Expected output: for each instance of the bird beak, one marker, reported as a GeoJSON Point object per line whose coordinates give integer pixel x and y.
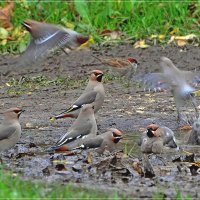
{"type": "Point", "coordinates": [20, 112]}
{"type": "Point", "coordinates": [27, 26]}
{"type": "Point", "coordinates": [119, 137]}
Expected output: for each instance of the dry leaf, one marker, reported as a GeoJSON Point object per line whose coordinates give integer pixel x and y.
{"type": "Point", "coordinates": [3, 33]}
{"type": "Point", "coordinates": [137, 167]}
{"type": "Point", "coordinates": [141, 44]}
{"type": "Point", "coordinates": [89, 159]}
{"type": "Point", "coordinates": [8, 84]}
{"type": "Point", "coordinates": [196, 163]}
{"type": "Point", "coordinates": [5, 15]}
{"type": "Point", "coordinates": [174, 31]}
{"type": "Point", "coordinates": [182, 40]}
{"type": "Point", "coordinates": [160, 37]}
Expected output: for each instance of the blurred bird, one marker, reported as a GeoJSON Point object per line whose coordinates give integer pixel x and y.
{"type": "Point", "coordinates": [48, 37]}
{"type": "Point", "coordinates": [180, 83]}
{"type": "Point", "coordinates": [120, 66]}
{"type": "Point", "coordinates": [156, 138]}
{"type": "Point", "coordinates": [10, 129]}
{"type": "Point", "coordinates": [93, 94]}
{"type": "Point", "coordinates": [152, 145]}
{"type": "Point", "coordinates": [165, 133]}
{"type": "Point", "coordinates": [84, 126]}
{"type": "Point", "coordinates": [194, 137]}
{"type": "Point", "coordinates": [106, 141]}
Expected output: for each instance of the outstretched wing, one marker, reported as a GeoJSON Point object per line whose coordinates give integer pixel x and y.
{"type": "Point", "coordinates": [40, 47]}
{"type": "Point", "coordinates": [153, 81]}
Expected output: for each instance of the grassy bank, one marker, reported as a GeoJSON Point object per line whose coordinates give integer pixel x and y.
{"type": "Point", "coordinates": [133, 18]}
{"type": "Point", "coordinates": [12, 187]}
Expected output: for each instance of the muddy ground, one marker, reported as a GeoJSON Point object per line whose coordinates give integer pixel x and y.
{"type": "Point", "coordinates": [128, 109]}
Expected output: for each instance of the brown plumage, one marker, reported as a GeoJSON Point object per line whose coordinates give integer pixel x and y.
{"type": "Point", "coordinates": [10, 129]}
{"type": "Point", "coordinates": [106, 141]}
{"type": "Point", "coordinates": [93, 94]}
{"type": "Point", "coordinates": [48, 37]}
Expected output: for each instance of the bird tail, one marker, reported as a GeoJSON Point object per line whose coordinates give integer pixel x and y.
{"type": "Point", "coordinates": [196, 92]}
{"type": "Point", "coordinates": [57, 149]}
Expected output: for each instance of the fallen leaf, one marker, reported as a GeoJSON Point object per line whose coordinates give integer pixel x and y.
{"type": "Point", "coordinates": [182, 40]}
{"type": "Point", "coordinates": [137, 167]}
{"type": "Point", "coordinates": [3, 33]}
{"type": "Point", "coordinates": [174, 31]}
{"type": "Point", "coordinates": [89, 159]}
{"type": "Point", "coordinates": [8, 84]}
{"type": "Point", "coordinates": [141, 44]}
{"type": "Point", "coordinates": [5, 15]}
{"type": "Point", "coordinates": [161, 37]}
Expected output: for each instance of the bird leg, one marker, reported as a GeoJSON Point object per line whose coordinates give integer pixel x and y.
{"type": "Point", "coordinates": [195, 105]}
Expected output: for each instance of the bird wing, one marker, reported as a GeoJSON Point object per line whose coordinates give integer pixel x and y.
{"type": "Point", "coordinates": [74, 134]}
{"type": "Point", "coordinates": [153, 81]}
{"type": "Point", "coordinates": [91, 143]}
{"type": "Point", "coordinates": [6, 131]}
{"type": "Point", "coordinates": [40, 47]}
{"type": "Point", "coordinates": [192, 77]}
{"type": "Point", "coordinates": [85, 98]}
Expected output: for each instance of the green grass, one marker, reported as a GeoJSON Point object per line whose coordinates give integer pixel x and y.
{"type": "Point", "coordinates": [28, 84]}
{"type": "Point", "coordinates": [133, 18]}
{"type": "Point", "coordinates": [14, 187]}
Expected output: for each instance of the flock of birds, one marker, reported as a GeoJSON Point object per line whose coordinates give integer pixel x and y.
{"type": "Point", "coordinates": [83, 132]}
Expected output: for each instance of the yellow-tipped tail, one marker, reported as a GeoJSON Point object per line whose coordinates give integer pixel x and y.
{"type": "Point", "coordinates": [196, 92]}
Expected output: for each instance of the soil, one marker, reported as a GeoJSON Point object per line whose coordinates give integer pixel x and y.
{"type": "Point", "coordinates": [129, 109]}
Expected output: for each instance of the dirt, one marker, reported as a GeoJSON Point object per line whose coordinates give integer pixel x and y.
{"type": "Point", "coordinates": [129, 109]}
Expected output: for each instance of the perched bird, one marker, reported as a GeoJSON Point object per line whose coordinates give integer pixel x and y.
{"type": "Point", "coordinates": [180, 83]}
{"type": "Point", "coordinates": [152, 145]}
{"type": "Point", "coordinates": [120, 66]}
{"type": "Point", "coordinates": [157, 139]}
{"type": "Point", "coordinates": [84, 126]}
{"type": "Point", "coordinates": [10, 129]}
{"type": "Point", "coordinates": [106, 141]}
{"type": "Point", "coordinates": [93, 94]}
{"type": "Point", "coordinates": [48, 37]}
{"type": "Point", "coordinates": [194, 137]}
{"type": "Point", "coordinates": [165, 133]}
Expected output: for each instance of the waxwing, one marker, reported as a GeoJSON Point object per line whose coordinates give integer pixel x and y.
{"type": "Point", "coordinates": [84, 126]}
{"type": "Point", "coordinates": [152, 143]}
{"type": "Point", "coordinates": [165, 133]}
{"type": "Point", "coordinates": [106, 141]}
{"type": "Point", "coordinates": [180, 83]}
{"type": "Point", "coordinates": [10, 129]}
{"type": "Point", "coordinates": [48, 37]}
{"type": "Point", "coordinates": [194, 136]}
{"type": "Point", "coordinates": [93, 94]}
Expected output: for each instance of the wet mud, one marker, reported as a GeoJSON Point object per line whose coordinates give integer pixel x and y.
{"type": "Point", "coordinates": [129, 109]}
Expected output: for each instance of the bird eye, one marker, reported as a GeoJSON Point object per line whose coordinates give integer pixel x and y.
{"type": "Point", "coordinates": [17, 111]}
{"type": "Point", "coordinates": [114, 134]}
